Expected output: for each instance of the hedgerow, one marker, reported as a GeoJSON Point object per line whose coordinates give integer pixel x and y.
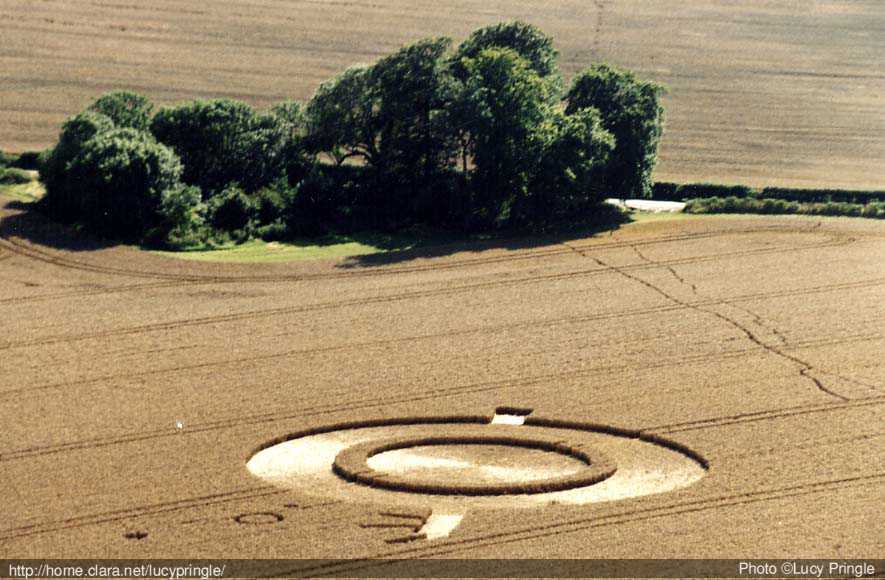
{"type": "Point", "coordinates": [665, 191]}
{"type": "Point", "coordinates": [732, 204]}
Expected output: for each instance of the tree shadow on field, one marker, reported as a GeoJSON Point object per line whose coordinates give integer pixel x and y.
{"type": "Point", "coordinates": [20, 219]}
{"type": "Point", "coordinates": [446, 244]}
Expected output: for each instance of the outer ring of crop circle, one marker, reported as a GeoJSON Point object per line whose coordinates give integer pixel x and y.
{"type": "Point", "coordinates": [484, 420]}
{"type": "Point", "coordinates": [351, 464]}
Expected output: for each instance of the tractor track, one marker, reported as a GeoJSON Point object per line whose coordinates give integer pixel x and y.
{"type": "Point", "coordinates": [243, 362]}
{"type": "Point", "coordinates": [739, 418]}
{"type": "Point", "coordinates": [170, 280]}
{"type": "Point", "coordinates": [415, 294]}
{"type": "Point", "coordinates": [805, 369]}
{"type": "Point", "coordinates": [301, 412]}
{"type": "Point", "coordinates": [572, 525]}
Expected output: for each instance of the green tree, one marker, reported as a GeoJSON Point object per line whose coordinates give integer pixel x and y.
{"type": "Point", "coordinates": [342, 118]}
{"type": "Point", "coordinates": [296, 158]}
{"type": "Point", "coordinates": [630, 109]}
{"type": "Point", "coordinates": [120, 177]}
{"type": "Point", "coordinates": [182, 216]}
{"type": "Point", "coordinates": [221, 142]}
{"type": "Point", "coordinates": [529, 42]}
{"type": "Point", "coordinates": [389, 115]}
{"type": "Point", "coordinates": [290, 113]}
{"type": "Point", "coordinates": [60, 200]}
{"type": "Point", "coordinates": [234, 212]}
{"type": "Point", "coordinates": [411, 87]}
{"type": "Point", "coordinates": [526, 40]}
{"type": "Point", "coordinates": [125, 109]}
{"type": "Point", "coordinates": [568, 182]}
{"type": "Point", "coordinates": [503, 104]}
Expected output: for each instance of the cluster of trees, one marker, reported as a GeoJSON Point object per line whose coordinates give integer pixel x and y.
{"type": "Point", "coordinates": [477, 137]}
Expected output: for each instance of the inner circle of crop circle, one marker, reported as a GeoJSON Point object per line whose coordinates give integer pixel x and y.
{"type": "Point", "coordinates": [470, 461]}
{"type": "Point", "coordinates": [352, 464]}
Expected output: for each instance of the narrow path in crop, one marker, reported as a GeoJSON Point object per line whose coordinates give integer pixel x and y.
{"type": "Point", "coordinates": [805, 368]}
{"type": "Point", "coordinates": [766, 325]}
{"type": "Point", "coordinates": [601, 5]}
{"type": "Point", "coordinates": [759, 321]}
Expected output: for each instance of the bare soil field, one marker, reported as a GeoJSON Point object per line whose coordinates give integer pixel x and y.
{"type": "Point", "coordinates": [784, 93]}
{"type": "Point", "coordinates": [724, 376]}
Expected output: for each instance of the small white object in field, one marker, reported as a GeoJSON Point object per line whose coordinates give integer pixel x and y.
{"type": "Point", "coordinates": [500, 419]}
{"type": "Point", "coordinates": [648, 205]}
{"type": "Point", "coordinates": [440, 525]}
{"type": "Point", "coordinates": [179, 425]}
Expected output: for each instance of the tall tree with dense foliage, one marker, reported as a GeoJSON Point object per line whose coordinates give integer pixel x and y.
{"type": "Point", "coordinates": [389, 117]}
{"type": "Point", "coordinates": [292, 122]}
{"type": "Point", "coordinates": [503, 104]}
{"type": "Point", "coordinates": [121, 176]}
{"type": "Point", "coordinates": [529, 42]}
{"type": "Point", "coordinates": [411, 87]}
{"type": "Point", "coordinates": [631, 110]}
{"type": "Point", "coordinates": [222, 142]}
{"type": "Point", "coordinates": [342, 119]}
{"type": "Point", "coordinates": [568, 181]}
{"type": "Point", "coordinates": [526, 40]}
{"type": "Point", "coordinates": [61, 194]}
{"type": "Point", "coordinates": [125, 109]}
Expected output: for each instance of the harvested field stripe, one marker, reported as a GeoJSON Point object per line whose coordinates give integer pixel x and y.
{"type": "Point", "coordinates": [825, 341]}
{"type": "Point", "coordinates": [202, 281]}
{"type": "Point", "coordinates": [31, 251]}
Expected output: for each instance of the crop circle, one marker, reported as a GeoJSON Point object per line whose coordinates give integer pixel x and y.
{"type": "Point", "coordinates": [471, 461]}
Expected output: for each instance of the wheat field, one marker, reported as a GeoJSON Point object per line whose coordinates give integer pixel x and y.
{"type": "Point", "coordinates": [785, 93]}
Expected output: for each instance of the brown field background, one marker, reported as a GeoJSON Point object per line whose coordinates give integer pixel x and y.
{"type": "Point", "coordinates": [755, 341]}
{"type": "Point", "coordinates": [786, 93]}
